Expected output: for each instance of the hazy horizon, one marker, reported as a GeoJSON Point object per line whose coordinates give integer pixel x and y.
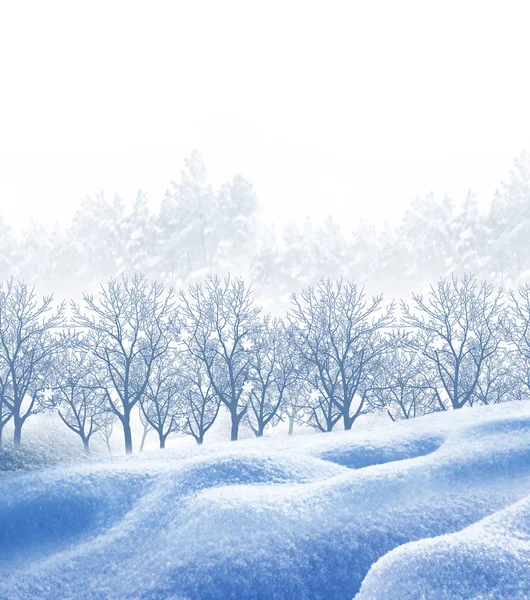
{"type": "Point", "coordinates": [352, 110]}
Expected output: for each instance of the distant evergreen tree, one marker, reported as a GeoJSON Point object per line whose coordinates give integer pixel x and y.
{"type": "Point", "coordinates": [365, 253]}
{"type": "Point", "coordinates": [469, 234]}
{"type": "Point", "coordinates": [509, 226]}
{"type": "Point", "coordinates": [61, 264]}
{"type": "Point", "coordinates": [8, 251]}
{"type": "Point", "coordinates": [34, 253]}
{"type": "Point", "coordinates": [305, 254]}
{"type": "Point", "coordinates": [332, 251]}
{"type": "Point", "coordinates": [264, 267]}
{"type": "Point", "coordinates": [235, 222]}
{"type": "Point", "coordinates": [427, 239]}
{"type": "Point", "coordinates": [299, 263]}
{"type": "Point", "coordinates": [187, 219]}
{"type": "Point", "coordinates": [168, 226]}
{"type": "Point", "coordinates": [97, 237]}
{"type": "Point", "coordinates": [139, 239]}
{"type": "Point", "coordinates": [393, 254]}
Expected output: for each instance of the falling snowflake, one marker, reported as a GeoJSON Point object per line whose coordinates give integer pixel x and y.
{"type": "Point", "coordinates": [247, 344]}
{"type": "Point", "coordinates": [247, 387]}
{"type": "Point", "coordinates": [314, 395]}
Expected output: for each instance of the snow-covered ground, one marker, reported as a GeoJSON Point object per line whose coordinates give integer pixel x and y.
{"type": "Point", "coordinates": [45, 441]}
{"type": "Point", "coordinates": [438, 507]}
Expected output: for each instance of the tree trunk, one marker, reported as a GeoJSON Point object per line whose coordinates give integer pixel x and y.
{"type": "Point", "coordinates": [144, 435]}
{"type": "Point", "coordinates": [162, 441]}
{"type": "Point", "coordinates": [85, 446]}
{"type": "Point", "coordinates": [291, 424]}
{"type": "Point", "coordinates": [235, 427]}
{"type": "Point", "coordinates": [18, 431]}
{"type": "Point", "coordinates": [456, 404]}
{"type": "Point", "coordinates": [126, 422]}
{"type": "Point", "coordinates": [200, 439]}
{"type": "Point", "coordinates": [1, 423]}
{"type": "Point", "coordinates": [348, 421]}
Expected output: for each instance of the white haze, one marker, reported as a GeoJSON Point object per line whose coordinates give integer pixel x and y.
{"type": "Point", "coordinates": [350, 108]}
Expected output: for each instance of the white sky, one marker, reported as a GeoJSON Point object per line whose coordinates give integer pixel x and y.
{"type": "Point", "coordinates": [343, 107]}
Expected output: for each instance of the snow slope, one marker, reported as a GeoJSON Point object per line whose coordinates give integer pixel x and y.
{"type": "Point", "coordinates": [488, 560]}
{"type": "Point", "coordinates": [437, 507]}
{"type": "Point", "coordinates": [45, 441]}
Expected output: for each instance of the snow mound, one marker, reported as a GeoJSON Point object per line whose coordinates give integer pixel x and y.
{"type": "Point", "coordinates": [273, 518]}
{"type": "Point", "coordinates": [489, 560]}
{"type": "Point", "coordinates": [47, 509]}
{"type": "Point", "coordinates": [45, 441]}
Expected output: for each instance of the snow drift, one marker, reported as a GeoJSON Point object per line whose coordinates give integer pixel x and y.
{"type": "Point", "coordinates": [413, 509]}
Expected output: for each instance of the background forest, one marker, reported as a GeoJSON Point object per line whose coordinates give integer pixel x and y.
{"type": "Point", "coordinates": [197, 230]}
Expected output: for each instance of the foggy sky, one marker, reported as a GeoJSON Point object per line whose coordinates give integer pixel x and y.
{"type": "Point", "coordinates": [350, 108]}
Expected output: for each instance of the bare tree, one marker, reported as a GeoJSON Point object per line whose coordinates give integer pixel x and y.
{"type": "Point", "coordinates": [271, 375]}
{"type": "Point", "coordinates": [294, 406]}
{"type": "Point", "coordinates": [107, 427]}
{"type": "Point", "coordinates": [80, 400]}
{"type": "Point", "coordinates": [320, 412]}
{"type": "Point", "coordinates": [336, 332]}
{"type": "Point", "coordinates": [406, 388]}
{"type": "Point", "coordinates": [126, 332]}
{"type": "Point", "coordinates": [218, 318]}
{"type": "Point", "coordinates": [517, 322]}
{"type": "Point", "coordinates": [160, 405]}
{"type": "Point", "coordinates": [503, 378]}
{"type": "Point", "coordinates": [27, 343]}
{"type": "Point", "coordinates": [292, 409]}
{"type": "Point", "coordinates": [516, 328]}
{"type": "Point", "coordinates": [5, 412]}
{"type": "Point", "coordinates": [519, 376]}
{"type": "Point", "coordinates": [201, 404]}
{"type": "Point", "coordinates": [146, 428]}
{"type": "Point", "coordinates": [457, 330]}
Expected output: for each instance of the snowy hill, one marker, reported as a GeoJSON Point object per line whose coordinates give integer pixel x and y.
{"type": "Point", "coordinates": [437, 507]}
{"type": "Point", "coordinates": [46, 441]}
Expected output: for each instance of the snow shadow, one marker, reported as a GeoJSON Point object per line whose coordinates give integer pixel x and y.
{"type": "Point", "coordinates": [518, 426]}
{"type": "Point", "coordinates": [359, 456]}
{"type": "Point", "coordinates": [38, 517]}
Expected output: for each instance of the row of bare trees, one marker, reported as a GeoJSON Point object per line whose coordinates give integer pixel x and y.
{"type": "Point", "coordinates": [178, 358]}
